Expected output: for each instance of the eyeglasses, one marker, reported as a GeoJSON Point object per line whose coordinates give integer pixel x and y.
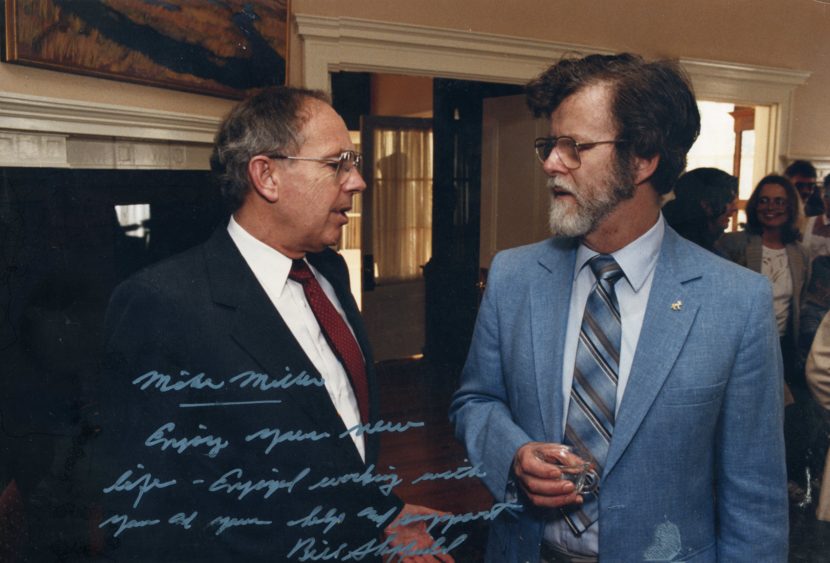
{"type": "Point", "coordinates": [772, 202]}
{"type": "Point", "coordinates": [342, 164]}
{"type": "Point", "coordinates": [567, 149]}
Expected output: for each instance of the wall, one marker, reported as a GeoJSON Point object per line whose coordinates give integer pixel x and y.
{"type": "Point", "coordinates": [779, 33]}
{"type": "Point", "coordinates": [19, 79]}
{"type": "Point", "coordinates": [409, 96]}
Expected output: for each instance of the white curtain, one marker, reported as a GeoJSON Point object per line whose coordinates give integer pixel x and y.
{"type": "Point", "coordinates": [402, 203]}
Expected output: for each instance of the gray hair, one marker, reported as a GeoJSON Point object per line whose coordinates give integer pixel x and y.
{"type": "Point", "coordinates": [269, 121]}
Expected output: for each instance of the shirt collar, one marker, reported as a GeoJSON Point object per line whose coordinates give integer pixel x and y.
{"type": "Point", "coordinates": [636, 259]}
{"type": "Point", "coordinates": [267, 263]}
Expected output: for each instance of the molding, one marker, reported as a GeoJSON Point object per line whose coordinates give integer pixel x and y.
{"type": "Point", "coordinates": [56, 115]}
{"type": "Point", "coordinates": [332, 44]}
{"type": "Point", "coordinates": [36, 149]}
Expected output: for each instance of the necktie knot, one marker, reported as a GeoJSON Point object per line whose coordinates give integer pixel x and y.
{"type": "Point", "coordinates": [605, 268]}
{"type": "Point", "coordinates": [300, 272]}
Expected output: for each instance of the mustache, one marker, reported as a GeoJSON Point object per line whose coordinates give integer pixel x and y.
{"type": "Point", "coordinates": [558, 183]}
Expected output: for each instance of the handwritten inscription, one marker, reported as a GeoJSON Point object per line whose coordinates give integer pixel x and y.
{"type": "Point", "coordinates": [225, 522]}
{"type": "Point", "coordinates": [165, 383]}
{"type": "Point", "coordinates": [450, 520]}
{"type": "Point", "coordinates": [180, 445]}
{"type": "Point", "coordinates": [314, 518]}
{"type": "Point", "coordinates": [310, 549]}
{"type": "Point", "coordinates": [380, 426]}
{"type": "Point", "coordinates": [231, 483]}
{"type": "Point", "coordinates": [183, 520]}
{"type": "Point", "coordinates": [278, 436]}
{"type": "Point", "coordinates": [124, 523]}
{"type": "Point", "coordinates": [367, 477]}
{"type": "Point", "coordinates": [464, 472]}
{"type": "Point", "coordinates": [264, 382]}
{"type": "Point", "coordinates": [171, 439]}
{"type": "Point", "coordinates": [144, 484]}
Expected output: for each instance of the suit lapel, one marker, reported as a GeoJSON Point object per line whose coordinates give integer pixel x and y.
{"type": "Point", "coordinates": [754, 252]}
{"type": "Point", "coordinates": [669, 316]}
{"type": "Point", "coordinates": [262, 333]}
{"type": "Point", "coordinates": [550, 297]}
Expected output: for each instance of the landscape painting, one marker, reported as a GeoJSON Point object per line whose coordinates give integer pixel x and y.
{"type": "Point", "coordinates": [219, 47]}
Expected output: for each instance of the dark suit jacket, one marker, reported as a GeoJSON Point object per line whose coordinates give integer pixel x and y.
{"type": "Point", "coordinates": [202, 318]}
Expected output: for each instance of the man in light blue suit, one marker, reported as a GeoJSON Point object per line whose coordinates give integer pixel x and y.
{"type": "Point", "coordinates": [655, 361]}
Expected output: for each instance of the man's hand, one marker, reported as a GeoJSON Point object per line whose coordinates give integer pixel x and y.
{"type": "Point", "coordinates": [540, 480]}
{"type": "Point", "coordinates": [414, 535]}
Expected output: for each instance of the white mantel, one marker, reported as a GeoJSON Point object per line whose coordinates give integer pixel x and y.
{"type": "Point", "coordinates": [52, 132]}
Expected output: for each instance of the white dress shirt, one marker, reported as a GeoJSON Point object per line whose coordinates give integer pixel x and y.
{"type": "Point", "coordinates": [271, 269]}
{"type": "Point", "coordinates": [637, 260]}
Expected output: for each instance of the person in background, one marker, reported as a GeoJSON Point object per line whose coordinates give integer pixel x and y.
{"type": "Point", "coordinates": [816, 237]}
{"type": "Point", "coordinates": [619, 343]}
{"type": "Point", "coordinates": [803, 176]}
{"type": "Point", "coordinates": [704, 201]}
{"type": "Point", "coordinates": [770, 245]}
{"type": "Point", "coordinates": [818, 381]}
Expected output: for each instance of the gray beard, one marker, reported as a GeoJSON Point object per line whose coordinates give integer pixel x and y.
{"type": "Point", "coordinates": [582, 215]}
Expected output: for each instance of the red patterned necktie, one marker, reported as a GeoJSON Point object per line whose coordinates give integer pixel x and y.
{"type": "Point", "coordinates": [337, 333]}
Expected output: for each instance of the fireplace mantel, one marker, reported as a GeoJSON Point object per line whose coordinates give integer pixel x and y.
{"type": "Point", "coordinates": [51, 132]}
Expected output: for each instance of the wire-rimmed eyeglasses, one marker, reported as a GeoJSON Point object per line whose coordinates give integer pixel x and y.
{"type": "Point", "coordinates": [567, 149]}
{"type": "Point", "coordinates": [342, 164]}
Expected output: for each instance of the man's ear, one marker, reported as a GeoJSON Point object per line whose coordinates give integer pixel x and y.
{"type": "Point", "coordinates": [264, 178]}
{"type": "Point", "coordinates": [643, 168]}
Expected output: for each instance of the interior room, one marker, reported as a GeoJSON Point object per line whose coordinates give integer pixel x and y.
{"type": "Point", "coordinates": [101, 177]}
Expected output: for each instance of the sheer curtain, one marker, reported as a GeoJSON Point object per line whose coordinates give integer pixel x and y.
{"type": "Point", "coordinates": [401, 202]}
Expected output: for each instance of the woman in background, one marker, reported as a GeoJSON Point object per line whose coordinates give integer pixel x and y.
{"type": "Point", "coordinates": [770, 245]}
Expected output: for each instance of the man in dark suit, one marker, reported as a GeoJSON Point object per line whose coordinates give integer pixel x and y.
{"type": "Point", "coordinates": [239, 412]}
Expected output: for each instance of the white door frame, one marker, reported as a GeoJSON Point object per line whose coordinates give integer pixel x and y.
{"type": "Point", "coordinates": [331, 44]}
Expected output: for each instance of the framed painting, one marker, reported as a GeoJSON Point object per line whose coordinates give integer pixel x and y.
{"type": "Point", "coordinates": [217, 47]}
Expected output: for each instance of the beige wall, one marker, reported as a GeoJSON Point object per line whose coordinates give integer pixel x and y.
{"type": "Point", "coordinates": [394, 94]}
{"type": "Point", "coordinates": [19, 79]}
{"type": "Point", "coordinates": [781, 33]}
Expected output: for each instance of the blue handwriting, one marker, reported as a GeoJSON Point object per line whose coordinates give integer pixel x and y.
{"type": "Point", "coordinates": [124, 523]}
{"type": "Point", "coordinates": [157, 438]}
{"type": "Point", "coordinates": [364, 479]}
{"type": "Point", "coordinates": [182, 519]}
{"type": "Point", "coordinates": [450, 520]}
{"type": "Point", "coordinates": [372, 514]}
{"type": "Point", "coordinates": [263, 382]}
{"type": "Point", "coordinates": [307, 549]}
{"type": "Point", "coordinates": [227, 484]}
{"type": "Point", "coordinates": [463, 472]}
{"type": "Point", "coordinates": [162, 382]}
{"type": "Point", "coordinates": [144, 484]}
{"type": "Point", "coordinates": [380, 426]}
{"type": "Point", "coordinates": [225, 522]}
{"type": "Point", "coordinates": [278, 436]}
{"type": "Point", "coordinates": [330, 519]}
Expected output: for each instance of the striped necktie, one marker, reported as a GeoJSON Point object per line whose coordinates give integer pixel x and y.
{"type": "Point", "coordinates": [592, 404]}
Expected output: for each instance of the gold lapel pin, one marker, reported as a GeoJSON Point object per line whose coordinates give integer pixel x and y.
{"type": "Point", "coordinates": [677, 305]}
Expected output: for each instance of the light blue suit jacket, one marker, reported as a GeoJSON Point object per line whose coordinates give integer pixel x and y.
{"type": "Point", "coordinates": [695, 469]}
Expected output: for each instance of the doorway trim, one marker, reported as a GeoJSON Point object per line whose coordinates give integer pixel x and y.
{"type": "Point", "coordinates": [331, 44]}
